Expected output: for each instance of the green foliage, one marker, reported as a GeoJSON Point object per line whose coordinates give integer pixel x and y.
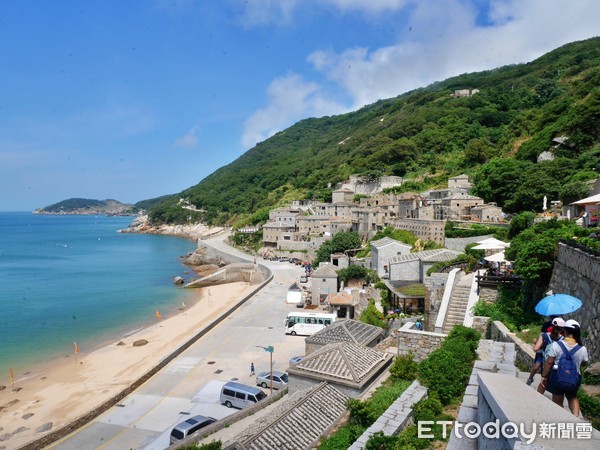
{"type": "Point", "coordinates": [590, 407]}
{"type": "Point", "coordinates": [354, 272]}
{"type": "Point", "coordinates": [360, 413]}
{"type": "Point", "coordinates": [404, 367]}
{"type": "Point", "coordinates": [343, 438]}
{"type": "Point", "coordinates": [379, 441]}
{"type": "Point", "coordinates": [214, 445]}
{"type": "Point", "coordinates": [520, 223]}
{"type": "Point", "coordinates": [436, 267]}
{"type": "Point", "coordinates": [447, 369]}
{"type": "Point", "coordinates": [518, 111]}
{"type": "Point", "coordinates": [453, 231]}
{"type": "Point", "coordinates": [399, 235]}
{"type": "Point", "coordinates": [372, 316]}
{"type": "Point", "coordinates": [512, 308]}
{"type": "Point", "coordinates": [342, 241]}
{"type": "Point", "coordinates": [465, 333]}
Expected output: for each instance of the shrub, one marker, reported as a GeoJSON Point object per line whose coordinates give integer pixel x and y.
{"type": "Point", "coordinates": [380, 441]}
{"type": "Point", "coordinates": [469, 334]}
{"type": "Point", "coordinates": [404, 367]}
{"type": "Point", "coordinates": [428, 409]}
{"type": "Point", "coordinates": [360, 414]}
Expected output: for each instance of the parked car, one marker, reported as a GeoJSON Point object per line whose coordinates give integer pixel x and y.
{"type": "Point", "coordinates": [280, 379]}
{"type": "Point", "coordinates": [283, 259]}
{"type": "Point", "coordinates": [189, 427]}
{"type": "Point", "coordinates": [294, 260]}
{"type": "Point", "coordinates": [296, 359]}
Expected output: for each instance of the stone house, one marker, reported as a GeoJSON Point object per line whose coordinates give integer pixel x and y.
{"type": "Point", "coordinates": [324, 282]}
{"type": "Point", "coordinates": [426, 230]}
{"type": "Point", "coordinates": [487, 213]}
{"type": "Point", "coordinates": [345, 330]}
{"type": "Point", "coordinates": [275, 232]}
{"type": "Point", "coordinates": [459, 183]}
{"type": "Point", "coordinates": [342, 196]}
{"type": "Point", "coordinates": [284, 216]}
{"type": "Point", "coordinates": [309, 225]}
{"type": "Point", "coordinates": [334, 225]}
{"type": "Point", "coordinates": [342, 304]}
{"type": "Point", "coordinates": [349, 367]}
{"type": "Point", "coordinates": [457, 207]}
{"type": "Point", "coordinates": [413, 267]}
{"type": "Point", "coordinates": [382, 250]}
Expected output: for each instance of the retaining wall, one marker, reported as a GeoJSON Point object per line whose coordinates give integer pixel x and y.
{"type": "Point", "coordinates": [524, 352]}
{"type": "Point", "coordinates": [577, 273]}
{"type": "Point", "coordinates": [421, 343]}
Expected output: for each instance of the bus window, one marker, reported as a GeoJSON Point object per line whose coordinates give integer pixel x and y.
{"type": "Point", "coordinates": [320, 321]}
{"type": "Point", "coordinates": [327, 321]}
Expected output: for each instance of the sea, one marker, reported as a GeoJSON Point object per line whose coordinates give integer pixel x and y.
{"type": "Point", "coordinates": [69, 280]}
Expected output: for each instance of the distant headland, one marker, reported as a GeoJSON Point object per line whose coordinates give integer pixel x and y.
{"type": "Point", "coordinates": [84, 206]}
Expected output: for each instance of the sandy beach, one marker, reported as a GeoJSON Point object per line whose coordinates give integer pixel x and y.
{"type": "Point", "coordinates": [65, 390]}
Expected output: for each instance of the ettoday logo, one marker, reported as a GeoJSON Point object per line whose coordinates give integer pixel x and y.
{"type": "Point", "coordinates": [508, 430]}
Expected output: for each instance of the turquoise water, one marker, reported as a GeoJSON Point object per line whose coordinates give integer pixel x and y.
{"type": "Point", "coordinates": [74, 278]}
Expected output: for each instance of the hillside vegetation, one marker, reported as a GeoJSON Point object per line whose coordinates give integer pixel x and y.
{"type": "Point", "coordinates": [88, 206]}
{"type": "Point", "coordinates": [495, 136]}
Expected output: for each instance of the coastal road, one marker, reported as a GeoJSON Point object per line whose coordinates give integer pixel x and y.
{"type": "Point", "coordinates": [191, 383]}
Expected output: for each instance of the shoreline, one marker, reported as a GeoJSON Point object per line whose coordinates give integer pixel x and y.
{"type": "Point", "coordinates": [52, 396]}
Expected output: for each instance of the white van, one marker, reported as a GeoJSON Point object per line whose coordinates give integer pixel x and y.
{"type": "Point", "coordinates": [239, 395]}
{"type": "Point", "coordinates": [189, 427]}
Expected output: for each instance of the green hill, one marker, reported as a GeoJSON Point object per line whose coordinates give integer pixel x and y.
{"type": "Point", "coordinates": [88, 206]}
{"type": "Point", "coordinates": [495, 136]}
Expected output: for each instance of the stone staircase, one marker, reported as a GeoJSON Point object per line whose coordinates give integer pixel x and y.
{"type": "Point", "coordinates": [457, 308]}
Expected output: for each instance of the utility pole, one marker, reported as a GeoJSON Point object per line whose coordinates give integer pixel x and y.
{"type": "Point", "coordinates": [269, 349]}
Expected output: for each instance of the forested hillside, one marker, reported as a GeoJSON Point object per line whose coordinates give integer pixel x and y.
{"type": "Point", "coordinates": [495, 136]}
{"type": "Point", "coordinates": [88, 206]}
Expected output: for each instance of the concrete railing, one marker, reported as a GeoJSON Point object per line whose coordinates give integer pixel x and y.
{"type": "Point", "coordinates": [397, 417]}
{"type": "Point", "coordinates": [441, 317]}
{"type": "Point", "coordinates": [473, 299]}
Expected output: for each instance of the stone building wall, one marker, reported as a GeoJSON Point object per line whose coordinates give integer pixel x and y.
{"type": "Point", "coordinates": [429, 230]}
{"type": "Point", "coordinates": [421, 343]}
{"type": "Point", "coordinates": [577, 273]}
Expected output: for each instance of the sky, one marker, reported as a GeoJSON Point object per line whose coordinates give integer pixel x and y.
{"type": "Point", "coordinates": [134, 99]}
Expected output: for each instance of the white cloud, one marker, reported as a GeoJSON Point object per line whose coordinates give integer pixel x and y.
{"type": "Point", "coordinates": [446, 41]}
{"type": "Point", "coordinates": [369, 6]}
{"type": "Point", "coordinates": [263, 12]}
{"type": "Point", "coordinates": [290, 99]}
{"type": "Point", "coordinates": [189, 139]}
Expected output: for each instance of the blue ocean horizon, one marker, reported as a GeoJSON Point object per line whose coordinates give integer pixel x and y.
{"type": "Point", "coordinates": [74, 278]}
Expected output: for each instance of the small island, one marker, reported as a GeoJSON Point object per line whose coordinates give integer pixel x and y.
{"type": "Point", "coordinates": [84, 206]}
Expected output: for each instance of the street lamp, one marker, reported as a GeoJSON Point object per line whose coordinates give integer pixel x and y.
{"type": "Point", "coordinates": [269, 349]}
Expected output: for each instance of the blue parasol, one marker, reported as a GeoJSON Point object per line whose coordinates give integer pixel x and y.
{"type": "Point", "coordinates": [557, 304]}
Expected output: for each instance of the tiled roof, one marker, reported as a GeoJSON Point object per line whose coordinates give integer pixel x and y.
{"type": "Point", "coordinates": [325, 270]}
{"type": "Point", "coordinates": [341, 362]}
{"type": "Point", "coordinates": [296, 423]}
{"type": "Point", "coordinates": [346, 330]}
{"type": "Point", "coordinates": [439, 254]}
{"type": "Point", "coordinates": [384, 241]}
{"type": "Point", "coordinates": [339, 298]}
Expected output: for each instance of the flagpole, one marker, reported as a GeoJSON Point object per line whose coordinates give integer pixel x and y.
{"type": "Point", "coordinates": [12, 380]}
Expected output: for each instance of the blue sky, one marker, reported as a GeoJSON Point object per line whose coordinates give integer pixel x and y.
{"type": "Point", "coordinates": [132, 99]}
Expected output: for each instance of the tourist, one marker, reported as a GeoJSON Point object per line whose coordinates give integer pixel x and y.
{"type": "Point", "coordinates": [562, 376]}
{"type": "Point", "coordinates": [557, 332]}
{"type": "Point", "coordinates": [551, 333]}
{"type": "Point", "coordinates": [252, 369]}
{"type": "Point", "coordinates": [419, 325]}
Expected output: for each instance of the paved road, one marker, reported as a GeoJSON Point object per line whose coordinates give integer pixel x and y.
{"type": "Point", "coordinates": [191, 383]}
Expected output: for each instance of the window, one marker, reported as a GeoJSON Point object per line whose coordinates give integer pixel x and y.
{"type": "Point", "coordinates": [240, 395]}
{"type": "Point", "coordinates": [252, 398]}
{"type": "Point", "coordinates": [228, 392]}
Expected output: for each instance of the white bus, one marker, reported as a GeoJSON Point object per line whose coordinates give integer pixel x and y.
{"type": "Point", "coordinates": [307, 323]}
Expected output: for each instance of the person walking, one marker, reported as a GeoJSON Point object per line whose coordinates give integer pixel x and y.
{"type": "Point", "coordinates": [546, 337]}
{"type": "Point", "coordinates": [556, 333]}
{"type": "Point", "coordinates": [562, 372]}
{"type": "Point", "coordinates": [252, 369]}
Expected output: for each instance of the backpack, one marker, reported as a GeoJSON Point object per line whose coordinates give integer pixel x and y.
{"type": "Point", "coordinates": [567, 375]}
{"type": "Point", "coordinates": [547, 345]}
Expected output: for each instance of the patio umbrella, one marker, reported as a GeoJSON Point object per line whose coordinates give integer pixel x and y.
{"type": "Point", "coordinates": [496, 257]}
{"type": "Point", "coordinates": [557, 304]}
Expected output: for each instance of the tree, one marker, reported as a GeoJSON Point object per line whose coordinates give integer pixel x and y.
{"type": "Point", "coordinates": [342, 241]}
{"type": "Point", "coordinates": [353, 272]}
{"type": "Point", "coordinates": [520, 223]}
{"type": "Point", "coordinates": [372, 315]}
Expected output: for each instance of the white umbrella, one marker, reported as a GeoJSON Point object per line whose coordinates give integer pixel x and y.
{"type": "Point", "coordinates": [491, 244]}
{"type": "Point", "coordinates": [497, 257]}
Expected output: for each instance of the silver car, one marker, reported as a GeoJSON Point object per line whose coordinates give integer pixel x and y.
{"type": "Point", "coordinates": [280, 379]}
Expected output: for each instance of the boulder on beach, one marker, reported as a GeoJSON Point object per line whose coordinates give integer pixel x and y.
{"type": "Point", "coordinates": [45, 427]}
{"type": "Point", "coordinates": [178, 280]}
{"type": "Point", "coordinates": [140, 343]}
{"type": "Point", "coordinates": [120, 343]}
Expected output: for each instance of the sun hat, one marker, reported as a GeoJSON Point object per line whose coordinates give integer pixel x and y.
{"type": "Point", "coordinates": [558, 322]}
{"type": "Point", "coordinates": [572, 324]}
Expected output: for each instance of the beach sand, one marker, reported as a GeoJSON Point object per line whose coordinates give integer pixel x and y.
{"type": "Point", "coordinates": [67, 389]}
